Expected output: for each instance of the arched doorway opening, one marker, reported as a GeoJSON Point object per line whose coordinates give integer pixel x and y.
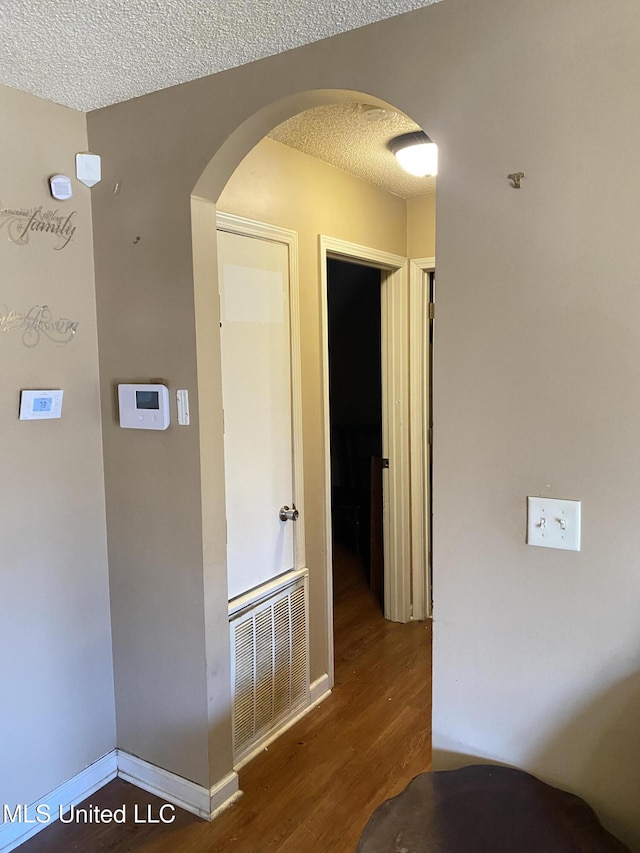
{"type": "Point", "coordinates": [247, 192]}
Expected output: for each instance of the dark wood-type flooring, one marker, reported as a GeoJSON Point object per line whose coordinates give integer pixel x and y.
{"type": "Point", "coordinates": [314, 789]}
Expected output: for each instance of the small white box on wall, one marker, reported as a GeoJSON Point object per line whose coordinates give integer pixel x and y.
{"type": "Point", "coordinates": [88, 168]}
{"type": "Point", "coordinates": [144, 406]}
{"type": "Point", "coordinates": [40, 405]}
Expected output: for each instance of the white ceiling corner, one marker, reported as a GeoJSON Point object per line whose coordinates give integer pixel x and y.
{"type": "Point", "coordinates": [87, 55]}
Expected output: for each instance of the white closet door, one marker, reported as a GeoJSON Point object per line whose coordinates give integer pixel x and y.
{"type": "Point", "coordinates": [257, 396]}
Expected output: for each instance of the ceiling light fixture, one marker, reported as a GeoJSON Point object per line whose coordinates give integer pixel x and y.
{"type": "Point", "coordinates": [416, 153]}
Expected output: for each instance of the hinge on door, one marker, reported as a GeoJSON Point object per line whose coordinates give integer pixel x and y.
{"type": "Point", "coordinates": [429, 435]}
{"type": "Point", "coordinates": [432, 310]}
{"type": "Point", "coordinates": [385, 463]}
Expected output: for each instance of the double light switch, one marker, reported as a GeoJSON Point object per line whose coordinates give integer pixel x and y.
{"type": "Point", "coordinates": [553, 523]}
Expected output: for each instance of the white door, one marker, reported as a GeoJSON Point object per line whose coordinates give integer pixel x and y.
{"type": "Point", "coordinates": [255, 313]}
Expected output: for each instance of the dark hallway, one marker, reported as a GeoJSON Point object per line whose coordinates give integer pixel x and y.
{"type": "Point", "coordinates": [355, 397]}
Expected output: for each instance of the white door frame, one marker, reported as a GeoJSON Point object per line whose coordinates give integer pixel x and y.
{"type": "Point", "coordinates": [421, 445]}
{"type": "Point", "coordinates": [395, 421]}
{"type": "Point", "coordinates": [263, 231]}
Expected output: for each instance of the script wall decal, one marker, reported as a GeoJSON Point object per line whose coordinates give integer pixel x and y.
{"type": "Point", "coordinates": [22, 224]}
{"type": "Point", "coordinates": [36, 323]}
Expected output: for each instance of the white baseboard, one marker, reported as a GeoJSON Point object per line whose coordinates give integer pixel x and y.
{"type": "Point", "coordinates": [175, 789]}
{"type": "Point", "coordinates": [170, 787]}
{"type": "Point", "coordinates": [224, 794]}
{"type": "Point", "coordinates": [70, 793]}
{"type": "Point", "coordinates": [206, 803]}
{"type": "Point", "coordinates": [318, 692]}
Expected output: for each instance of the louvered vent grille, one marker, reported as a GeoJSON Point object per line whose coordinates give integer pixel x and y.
{"type": "Point", "coordinates": [269, 644]}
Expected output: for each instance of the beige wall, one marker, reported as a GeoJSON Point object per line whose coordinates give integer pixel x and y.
{"type": "Point", "coordinates": [284, 187]}
{"type": "Point", "coordinates": [56, 711]}
{"type": "Point", "coordinates": [421, 226]}
{"type": "Point", "coordinates": [537, 352]}
{"type": "Point", "coordinates": [146, 326]}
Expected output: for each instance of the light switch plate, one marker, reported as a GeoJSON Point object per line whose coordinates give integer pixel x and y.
{"type": "Point", "coordinates": [553, 523]}
{"type": "Point", "coordinates": [182, 397]}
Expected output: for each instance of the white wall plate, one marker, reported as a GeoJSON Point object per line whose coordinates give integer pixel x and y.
{"type": "Point", "coordinates": [553, 523]}
{"type": "Point", "coordinates": [182, 398]}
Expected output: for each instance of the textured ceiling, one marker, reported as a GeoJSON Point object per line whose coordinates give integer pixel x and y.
{"type": "Point", "coordinates": [354, 138]}
{"type": "Point", "coordinates": [90, 54]}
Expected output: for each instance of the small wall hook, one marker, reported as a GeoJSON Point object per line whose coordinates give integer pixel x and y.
{"type": "Point", "coordinates": [515, 178]}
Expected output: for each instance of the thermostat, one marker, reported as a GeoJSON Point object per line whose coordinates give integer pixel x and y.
{"type": "Point", "coordinates": [144, 406]}
{"type": "Point", "coordinates": [40, 405]}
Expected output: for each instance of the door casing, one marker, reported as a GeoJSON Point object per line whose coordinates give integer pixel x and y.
{"type": "Point", "coordinates": [395, 421]}
{"type": "Point", "coordinates": [421, 432]}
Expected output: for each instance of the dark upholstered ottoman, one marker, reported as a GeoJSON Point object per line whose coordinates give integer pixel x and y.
{"type": "Point", "coordinates": [485, 809]}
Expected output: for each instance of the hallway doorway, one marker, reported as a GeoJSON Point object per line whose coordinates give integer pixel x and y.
{"type": "Point", "coordinates": [393, 462]}
{"type": "Point", "coordinates": [280, 184]}
{"type": "Point", "coordinates": [355, 414]}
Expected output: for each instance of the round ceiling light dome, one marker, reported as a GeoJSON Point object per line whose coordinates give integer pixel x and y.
{"type": "Point", "coordinates": [416, 153]}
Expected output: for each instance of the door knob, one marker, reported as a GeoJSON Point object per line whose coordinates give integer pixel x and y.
{"type": "Point", "coordinates": [287, 514]}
